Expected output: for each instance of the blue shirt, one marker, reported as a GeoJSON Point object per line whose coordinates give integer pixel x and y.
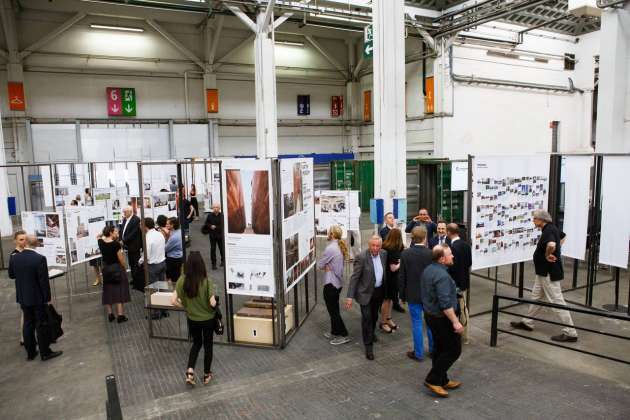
{"type": "Point", "coordinates": [174, 248]}
{"type": "Point", "coordinates": [438, 290]}
{"type": "Point", "coordinates": [378, 270]}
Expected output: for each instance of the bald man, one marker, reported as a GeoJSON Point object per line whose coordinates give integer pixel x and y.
{"type": "Point", "coordinates": [131, 237]}
{"type": "Point", "coordinates": [366, 287]}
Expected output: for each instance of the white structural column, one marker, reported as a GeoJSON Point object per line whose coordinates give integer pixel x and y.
{"type": "Point", "coordinates": [266, 113]}
{"type": "Point", "coordinates": [265, 77]}
{"type": "Point", "coordinates": [390, 143]}
{"type": "Point", "coordinates": [613, 108]}
{"type": "Point", "coordinates": [352, 106]}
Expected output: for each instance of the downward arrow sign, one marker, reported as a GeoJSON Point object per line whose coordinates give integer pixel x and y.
{"type": "Point", "coordinates": [128, 108]}
{"type": "Point", "coordinates": [115, 108]}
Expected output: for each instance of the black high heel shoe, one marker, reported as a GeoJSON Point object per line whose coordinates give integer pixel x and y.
{"type": "Point", "coordinates": [111, 317]}
{"type": "Point", "coordinates": [122, 318]}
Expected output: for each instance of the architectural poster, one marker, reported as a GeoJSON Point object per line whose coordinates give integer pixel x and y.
{"type": "Point", "coordinates": [505, 192]}
{"type": "Point", "coordinates": [298, 218]}
{"type": "Point", "coordinates": [247, 212]}
{"type": "Point", "coordinates": [84, 225]}
{"type": "Point", "coordinates": [49, 229]}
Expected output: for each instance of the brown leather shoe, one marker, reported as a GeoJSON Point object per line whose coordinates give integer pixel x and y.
{"type": "Point", "coordinates": [412, 355]}
{"type": "Point", "coordinates": [437, 390]}
{"type": "Point", "coordinates": [452, 384]}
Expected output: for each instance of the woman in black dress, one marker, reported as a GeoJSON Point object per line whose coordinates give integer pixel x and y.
{"type": "Point", "coordinates": [393, 245]}
{"type": "Point", "coordinates": [193, 199]}
{"type": "Point", "coordinates": [115, 283]}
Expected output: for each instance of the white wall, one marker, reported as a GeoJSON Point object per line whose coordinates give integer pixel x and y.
{"type": "Point", "coordinates": [499, 120]}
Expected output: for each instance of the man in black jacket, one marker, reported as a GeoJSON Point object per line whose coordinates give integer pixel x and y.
{"type": "Point", "coordinates": [413, 261]}
{"type": "Point", "coordinates": [460, 271]}
{"type": "Point", "coordinates": [132, 239]}
{"type": "Point", "coordinates": [214, 224]}
{"type": "Point", "coordinates": [30, 271]}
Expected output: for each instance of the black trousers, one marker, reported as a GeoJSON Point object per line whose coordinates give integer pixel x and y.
{"type": "Point", "coordinates": [137, 274]}
{"type": "Point", "coordinates": [369, 315]}
{"type": "Point", "coordinates": [202, 335]}
{"type": "Point", "coordinates": [331, 297]}
{"type": "Point", "coordinates": [447, 346]}
{"type": "Point", "coordinates": [214, 243]}
{"type": "Point", "coordinates": [35, 320]}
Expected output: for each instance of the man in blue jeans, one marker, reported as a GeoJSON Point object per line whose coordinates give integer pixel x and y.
{"type": "Point", "coordinates": [413, 261]}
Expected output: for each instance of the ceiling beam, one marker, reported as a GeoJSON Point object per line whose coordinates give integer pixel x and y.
{"type": "Point", "coordinates": [7, 15]}
{"type": "Point", "coordinates": [185, 51]}
{"type": "Point", "coordinates": [221, 60]}
{"type": "Point", "coordinates": [51, 35]}
{"type": "Point", "coordinates": [243, 17]}
{"type": "Point", "coordinates": [326, 55]}
{"type": "Point", "coordinates": [216, 35]}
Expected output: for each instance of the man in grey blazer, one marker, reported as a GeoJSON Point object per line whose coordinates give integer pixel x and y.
{"type": "Point", "coordinates": [366, 287]}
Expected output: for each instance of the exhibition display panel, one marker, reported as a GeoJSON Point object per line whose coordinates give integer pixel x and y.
{"type": "Point", "coordinates": [269, 226]}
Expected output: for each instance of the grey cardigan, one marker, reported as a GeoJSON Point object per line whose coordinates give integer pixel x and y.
{"type": "Point", "coordinates": [363, 279]}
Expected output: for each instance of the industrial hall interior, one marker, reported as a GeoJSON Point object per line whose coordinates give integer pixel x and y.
{"type": "Point", "coordinates": [314, 209]}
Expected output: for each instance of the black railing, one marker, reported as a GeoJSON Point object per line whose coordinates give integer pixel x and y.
{"type": "Point", "coordinates": [112, 405]}
{"type": "Point", "coordinates": [495, 319]}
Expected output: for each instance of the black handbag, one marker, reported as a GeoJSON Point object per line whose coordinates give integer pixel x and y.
{"type": "Point", "coordinates": [205, 230]}
{"type": "Point", "coordinates": [54, 320]}
{"type": "Point", "coordinates": [218, 321]}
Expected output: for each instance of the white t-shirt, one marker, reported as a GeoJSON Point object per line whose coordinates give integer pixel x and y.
{"type": "Point", "coordinates": [156, 244]}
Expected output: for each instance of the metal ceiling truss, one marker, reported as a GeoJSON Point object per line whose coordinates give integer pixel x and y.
{"type": "Point", "coordinates": [551, 15]}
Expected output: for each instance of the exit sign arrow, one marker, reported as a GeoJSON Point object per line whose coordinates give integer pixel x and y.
{"type": "Point", "coordinates": [121, 102]}
{"type": "Point", "coordinates": [368, 42]}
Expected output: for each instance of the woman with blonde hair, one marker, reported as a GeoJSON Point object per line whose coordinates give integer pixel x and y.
{"type": "Point", "coordinates": [331, 263]}
{"type": "Point", "coordinates": [393, 244]}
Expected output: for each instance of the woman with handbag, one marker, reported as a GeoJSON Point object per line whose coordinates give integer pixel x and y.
{"type": "Point", "coordinates": [115, 283]}
{"type": "Point", "coordinates": [393, 244]}
{"type": "Point", "coordinates": [195, 293]}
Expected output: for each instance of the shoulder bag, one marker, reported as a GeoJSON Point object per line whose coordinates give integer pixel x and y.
{"type": "Point", "coordinates": [218, 316]}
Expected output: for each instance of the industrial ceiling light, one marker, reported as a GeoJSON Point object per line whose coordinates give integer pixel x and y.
{"type": "Point", "coordinates": [291, 43]}
{"type": "Point", "coordinates": [116, 28]}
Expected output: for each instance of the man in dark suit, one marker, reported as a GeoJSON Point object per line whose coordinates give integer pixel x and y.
{"type": "Point", "coordinates": [460, 271]}
{"type": "Point", "coordinates": [214, 223]}
{"type": "Point", "coordinates": [30, 271]}
{"type": "Point", "coordinates": [413, 261]}
{"type": "Point", "coordinates": [132, 239]}
{"type": "Point", "coordinates": [441, 238]}
{"type": "Point", "coordinates": [366, 287]}
{"type": "Point", "coordinates": [422, 219]}
{"type": "Point", "coordinates": [390, 223]}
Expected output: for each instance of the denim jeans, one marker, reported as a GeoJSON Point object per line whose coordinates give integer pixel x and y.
{"type": "Point", "coordinates": [415, 311]}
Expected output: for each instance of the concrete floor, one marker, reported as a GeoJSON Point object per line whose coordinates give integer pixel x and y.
{"type": "Point", "coordinates": [311, 379]}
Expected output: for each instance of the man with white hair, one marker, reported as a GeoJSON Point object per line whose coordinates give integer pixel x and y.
{"type": "Point", "coordinates": [214, 227]}
{"type": "Point", "coordinates": [366, 287]}
{"type": "Point", "coordinates": [131, 237]}
{"type": "Point", "coordinates": [549, 275]}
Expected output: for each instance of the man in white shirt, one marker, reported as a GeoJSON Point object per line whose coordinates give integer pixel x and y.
{"type": "Point", "coordinates": [156, 251]}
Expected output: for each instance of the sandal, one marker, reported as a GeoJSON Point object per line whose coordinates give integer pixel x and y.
{"type": "Point", "coordinates": [190, 378]}
{"type": "Point", "coordinates": [386, 328]}
{"type": "Point", "coordinates": [207, 378]}
{"type": "Point", "coordinates": [391, 324]}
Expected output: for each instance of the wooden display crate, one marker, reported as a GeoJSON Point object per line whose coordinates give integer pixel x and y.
{"type": "Point", "coordinates": [253, 325]}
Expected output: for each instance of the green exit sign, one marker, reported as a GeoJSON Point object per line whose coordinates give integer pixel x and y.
{"type": "Point", "coordinates": [368, 42]}
{"type": "Point", "coordinates": [121, 102]}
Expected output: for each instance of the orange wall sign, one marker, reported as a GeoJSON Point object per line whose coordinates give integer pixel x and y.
{"type": "Point", "coordinates": [17, 102]}
{"type": "Point", "coordinates": [367, 106]}
{"type": "Point", "coordinates": [429, 99]}
{"type": "Point", "coordinates": [213, 100]}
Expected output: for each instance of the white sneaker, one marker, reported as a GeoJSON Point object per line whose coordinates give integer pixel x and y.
{"type": "Point", "coordinates": [329, 336]}
{"type": "Point", "coordinates": [340, 340]}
